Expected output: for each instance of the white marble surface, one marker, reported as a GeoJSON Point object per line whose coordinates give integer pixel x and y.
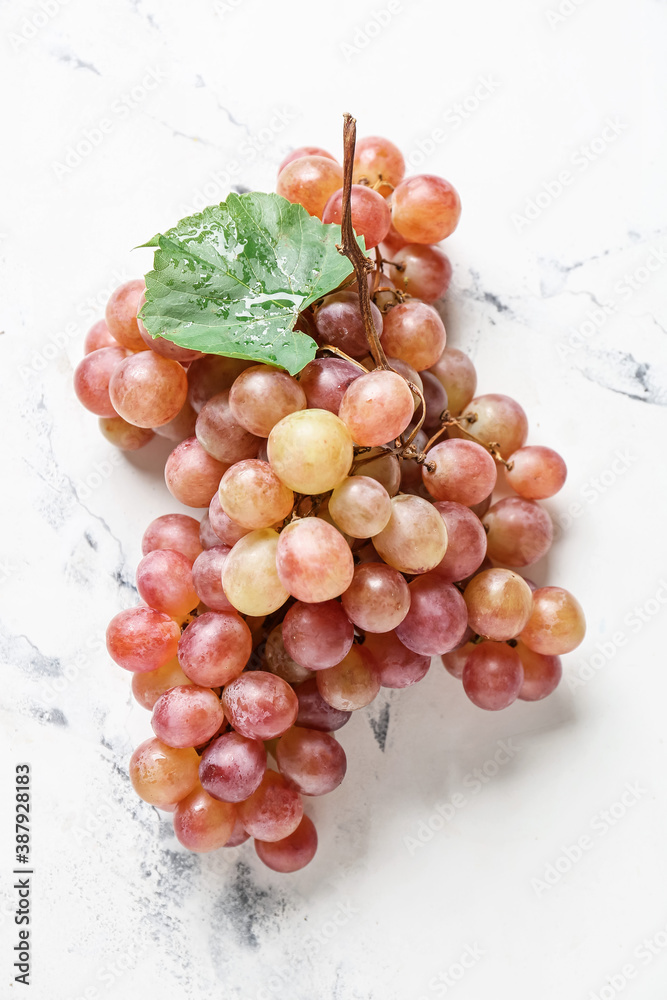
{"type": "Point", "coordinates": [564, 312]}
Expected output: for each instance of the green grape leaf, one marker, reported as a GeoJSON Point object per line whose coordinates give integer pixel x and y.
{"type": "Point", "coordinates": [233, 279]}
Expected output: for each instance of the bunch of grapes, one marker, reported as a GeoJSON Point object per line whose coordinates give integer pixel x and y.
{"type": "Point", "coordinates": [350, 532]}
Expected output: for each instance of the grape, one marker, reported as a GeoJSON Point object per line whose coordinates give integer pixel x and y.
{"type": "Point", "coordinates": [392, 243]}
{"type": "Point", "coordinates": [187, 716]}
{"type": "Point", "coordinates": [260, 705]}
{"type": "Point", "coordinates": [262, 395]}
{"type": "Point", "coordinates": [221, 435]}
{"type": "Point", "coordinates": [536, 473]}
{"type": "Point", "coordinates": [324, 381]}
{"type": "Point", "coordinates": [371, 217]}
{"type": "Point", "coordinates": [278, 661]}
{"type": "Point", "coordinates": [313, 761]}
{"type": "Point", "coordinates": [437, 619]}
{"type": "Point", "coordinates": [425, 209]}
{"type": "Point", "coordinates": [92, 377]}
{"type": "Point", "coordinates": [360, 506]}
{"type": "Point", "coordinates": [351, 684]}
{"type": "Point", "coordinates": [310, 180]}
{"type": "Point", "coordinates": [173, 531]}
{"type": "Point", "coordinates": [148, 390]}
{"type": "Point", "coordinates": [164, 582]}
{"type": "Point", "coordinates": [492, 675]}
{"type": "Point", "coordinates": [121, 314]}
{"type": "Point", "coordinates": [456, 373]}
{"type": "Point", "coordinates": [313, 560]}
{"type": "Point", "coordinates": [207, 577]}
{"type": "Point", "coordinates": [499, 603]}
{"type": "Point", "coordinates": [455, 660]}
{"type": "Point", "coordinates": [215, 648]}
{"type": "Point", "coordinates": [339, 323]}
{"type": "Point", "coordinates": [519, 532]}
{"type": "Point", "coordinates": [163, 775]}
{"type": "Point", "coordinates": [426, 272]}
{"type": "Point", "coordinates": [317, 636]}
{"type": "Point", "coordinates": [273, 811]}
{"type": "Point", "coordinates": [556, 624]}
{"type": "Point", "coordinates": [414, 332]}
{"type": "Point", "coordinates": [376, 160]}
{"type": "Point", "coordinates": [292, 852]}
{"type": "Point", "coordinates": [466, 542]}
{"type": "Point", "coordinates": [181, 427]}
{"type": "Point", "coordinates": [415, 539]}
{"type": "Point", "coordinates": [481, 508]}
{"type": "Point", "coordinates": [148, 687]}
{"type": "Point", "coordinates": [383, 468]}
{"type": "Point", "coordinates": [141, 639]}
{"type": "Point", "coordinates": [311, 451]}
{"type": "Point", "coordinates": [378, 599]}
{"type": "Point", "coordinates": [192, 475]}
{"type": "Point", "coordinates": [201, 823]}
{"type": "Point", "coordinates": [250, 579]}
{"type": "Point", "coordinates": [207, 536]}
{"type": "Point", "coordinates": [411, 471]}
{"type": "Point", "coordinates": [396, 665]}
{"type": "Point", "coordinates": [125, 436]}
{"type": "Point", "coordinates": [409, 373]}
{"type": "Point", "coordinates": [211, 375]}
{"type": "Point", "coordinates": [436, 401]}
{"type": "Point", "coordinates": [464, 472]}
{"type": "Point", "coordinates": [98, 336]}
{"type": "Point", "coordinates": [541, 674]}
{"type": "Point", "coordinates": [296, 154]}
{"type": "Point", "coordinates": [239, 836]}
{"type": "Point", "coordinates": [227, 530]}
{"type": "Point", "coordinates": [315, 712]}
{"type": "Point", "coordinates": [499, 420]}
{"type": "Point", "coordinates": [377, 407]}
{"type": "Point", "coordinates": [251, 494]}
{"type": "Point", "coordinates": [232, 767]}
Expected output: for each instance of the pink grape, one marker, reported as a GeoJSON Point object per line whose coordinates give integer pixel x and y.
{"type": "Point", "coordinates": [273, 811]}
{"type": "Point", "coordinates": [227, 530]}
{"type": "Point", "coordinates": [278, 661]}
{"type": "Point", "coordinates": [455, 660]}
{"type": "Point", "coordinates": [464, 472]}
{"type": "Point", "coordinates": [182, 426]}
{"type": "Point", "coordinates": [92, 378]}
{"type": "Point", "coordinates": [141, 639]}
{"type": "Point", "coordinates": [437, 619]}
{"type": "Point", "coordinates": [207, 577]}
{"type": "Point", "coordinates": [211, 375]}
{"type": "Point", "coordinates": [291, 853]}
{"type": "Point", "coordinates": [411, 471]}
{"type": "Point", "coordinates": [466, 542]}
{"type": "Point", "coordinates": [121, 314]}
{"type": "Point", "coordinates": [252, 495]}
{"type": "Point", "coordinates": [98, 336]}
{"type": "Point", "coordinates": [313, 761]}
{"type": "Point", "coordinates": [396, 665]}
{"type": "Point", "coordinates": [377, 407]}
{"type": "Point", "coordinates": [261, 396]}
{"type": "Point", "coordinates": [499, 603]}
{"type": "Point", "coordinates": [215, 648]}
{"type": "Point", "coordinates": [492, 676]}
{"type": "Point", "coordinates": [148, 390]}
{"type": "Point", "coordinates": [360, 506]}
{"type": "Point", "coordinates": [541, 673]}
{"type": "Point", "coordinates": [317, 636]}
{"type": "Point", "coordinates": [163, 775]}
{"type": "Point", "coordinates": [425, 208]}
{"type": "Point", "coordinates": [436, 401]}
{"type": "Point", "coordinates": [371, 217]}
{"type": "Point", "coordinates": [311, 451]}
{"type": "Point", "coordinates": [187, 716]}
{"type": "Point", "coordinates": [351, 684]}
{"type": "Point", "coordinates": [378, 599]}
{"type": "Point", "coordinates": [456, 373]}
{"type": "Point", "coordinates": [313, 560]}
{"type": "Point", "coordinates": [426, 272]}
{"type": "Point", "coordinates": [498, 419]}
{"type": "Point", "coordinates": [260, 705]}
{"type": "Point", "coordinates": [339, 323]}
{"type": "Point", "coordinates": [519, 532]}
{"type": "Point", "coordinates": [378, 161]}
{"type": "Point", "coordinates": [383, 468]}
{"type": "Point", "coordinates": [296, 154]}
{"type": "Point", "coordinates": [164, 582]}
{"type": "Point", "coordinates": [238, 836]}
{"type": "Point", "coordinates": [250, 580]}
{"type": "Point", "coordinates": [392, 243]}
{"type": "Point", "coordinates": [207, 536]}
{"type": "Point", "coordinates": [324, 381]}
{"type": "Point", "coordinates": [201, 823]}
{"type": "Point", "coordinates": [414, 332]}
{"type": "Point", "coordinates": [220, 434]}
{"type": "Point", "coordinates": [415, 539]}
{"type": "Point", "coordinates": [536, 473]}
{"type": "Point", "coordinates": [173, 531]}
{"type": "Point", "coordinates": [556, 624]}
{"type": "Point", "coordinates": [148, 687]}
{"type": "Point", "coordinates": [315, 712]}
{"type": "Point", "coordinates": [232, 767]}
{"type": "Point", "coordinates": [192, 475]}
{"type": "Point", "coordinates": [310, 181]}
{"type": "Point", "coordinates": [125, 436]}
